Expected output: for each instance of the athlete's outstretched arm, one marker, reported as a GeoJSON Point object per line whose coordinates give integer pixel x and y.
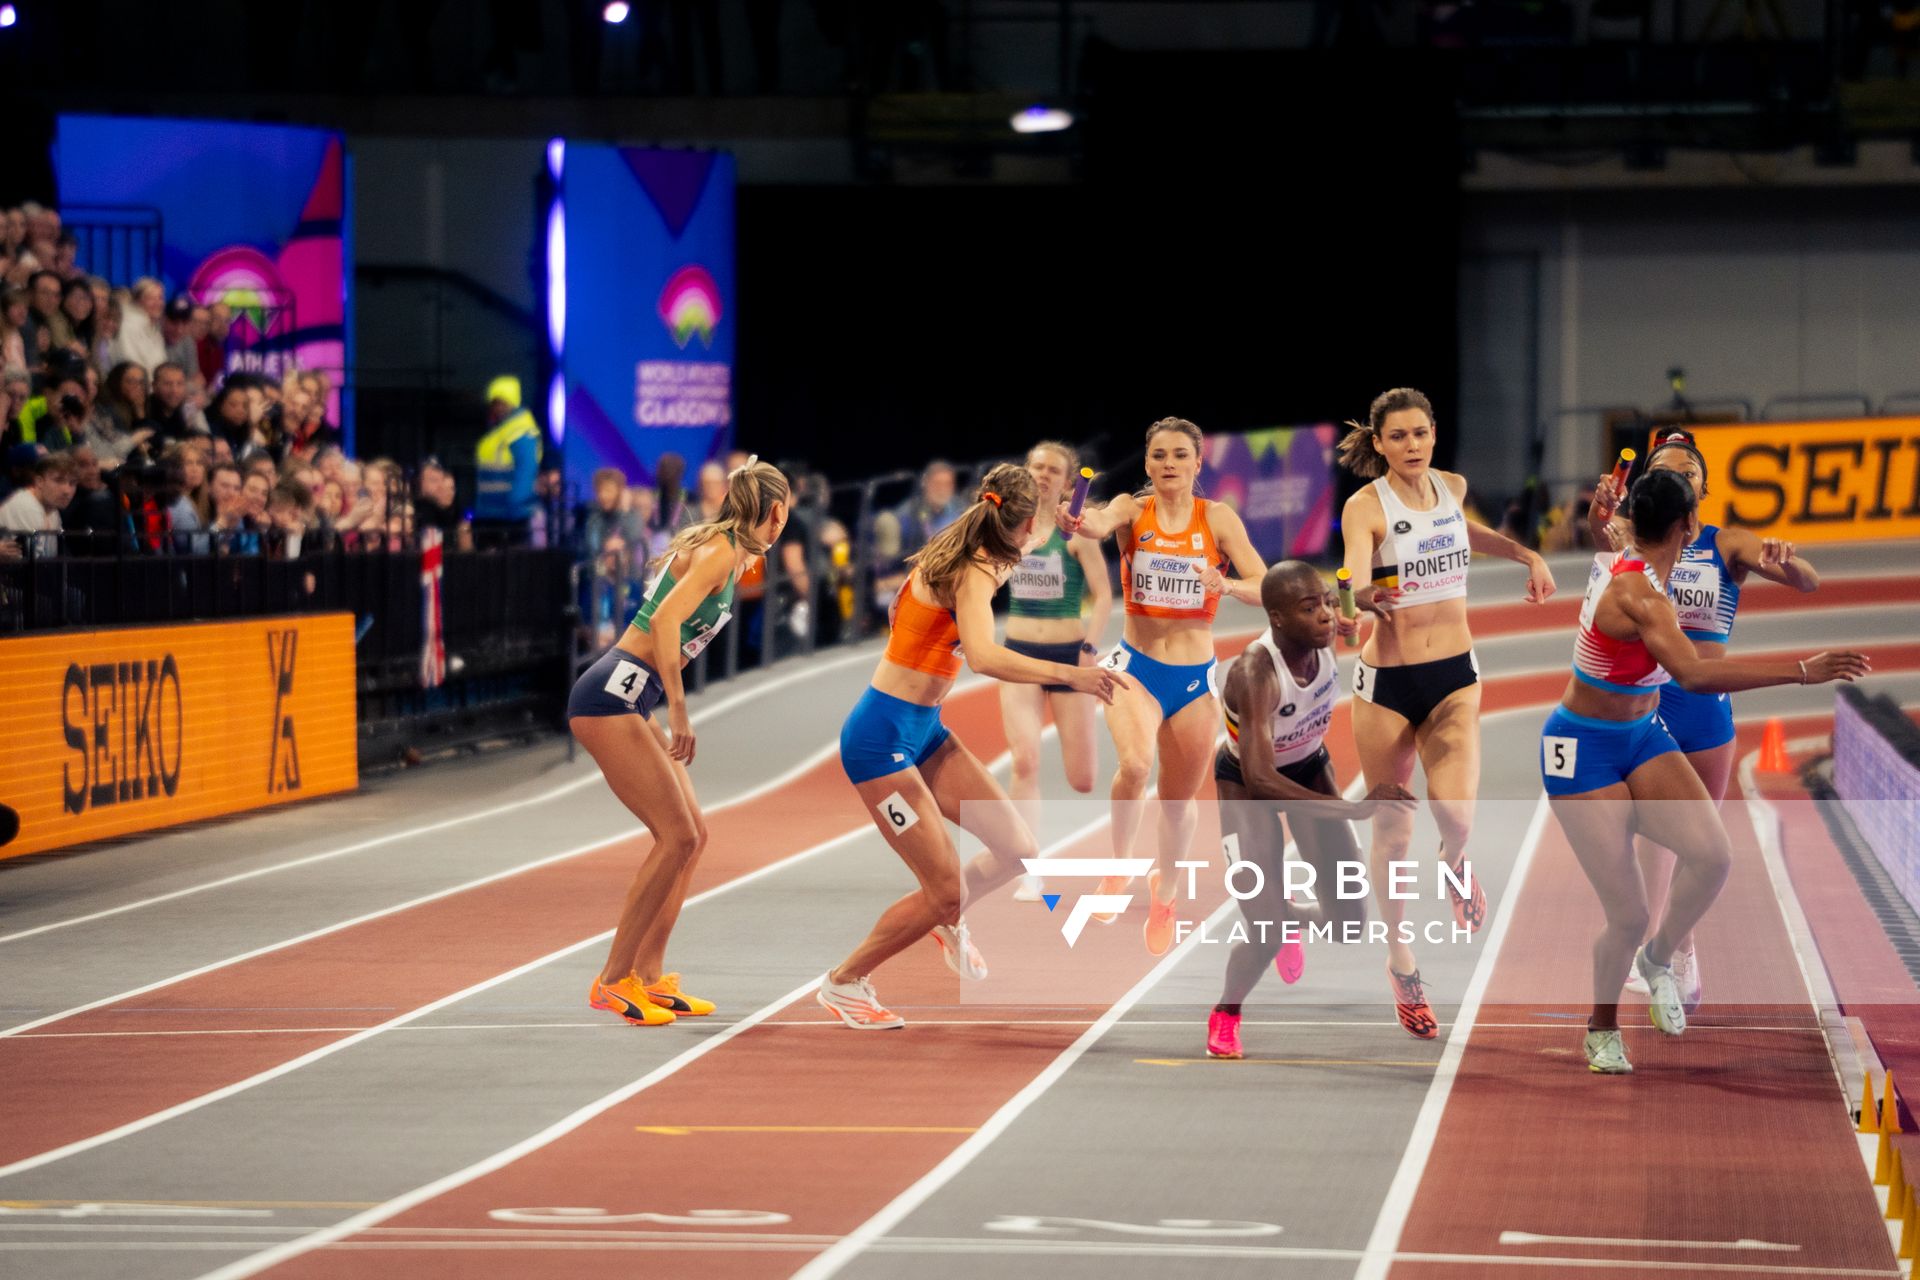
{"type": "Point", "coordinates": [1230, 534]}
{"type": "Point", "coordinates": [1098, 522]}
{"type": "Point", "coordinates": [973, 615]}
{"type": "Point", "coordinates": [1774, 559]}
{"type": "Point", "coordinates": [1362, 528]}
{"type": "Point", "coordinates": [1491, 542]}
{"type": "Point", "coordinates": [1659, 628]}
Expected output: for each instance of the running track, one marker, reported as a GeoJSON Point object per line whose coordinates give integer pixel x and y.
{"type": "Point", "coordinates": [921, 1095]}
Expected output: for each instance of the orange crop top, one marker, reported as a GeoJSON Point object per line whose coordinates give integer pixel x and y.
{"type": "Point", "coordinates": [922, 637]}
{"type": "Point", "coordinates": [1161, 571]}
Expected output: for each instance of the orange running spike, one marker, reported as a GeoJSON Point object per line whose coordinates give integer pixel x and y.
{"type": "Point", "coordinates": [1773, 748]}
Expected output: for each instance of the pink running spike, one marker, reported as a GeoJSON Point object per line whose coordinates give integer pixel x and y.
{"type": "Point", "coordinates": [1290, 961]}
{"type": "Point", "coordinates": [1223, 1035]}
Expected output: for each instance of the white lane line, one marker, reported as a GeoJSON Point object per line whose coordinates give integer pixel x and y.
{"type": "Point", "coordinates": [500, 1160]}
{"type": "Point", "coordinates": [1384, 1240]}
{"type": "Point", "coordinates": [810, 762]}
{"type": "Point", "coordinates": [935, 1245]}
{"type": "Point", "coordinates": [1627, 1242]}
{"type": "Point", "coordinates": [194, 1104]}
{"type": "Point", "coordinates": [327, 1050]}
{"type": "Point", "coordinates": [824, 753]}
{"type": "Point", "coordinates": [700, 716]}
{"type": "Point", "coordinates": [850, 1246]}
{"type": "Point", "coordinates": [819, 1024]}
{"type": "Point", "coordinates": [1765, 820]}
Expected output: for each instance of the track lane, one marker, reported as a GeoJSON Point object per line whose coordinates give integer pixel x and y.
{"type": "Point", "coordinates": [450, 944]}
{"type": "Point", "coordinates": [1672, 1153]}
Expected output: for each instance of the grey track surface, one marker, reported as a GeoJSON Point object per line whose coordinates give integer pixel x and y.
{"type": "Point", "coordinates": [1114, 1144]}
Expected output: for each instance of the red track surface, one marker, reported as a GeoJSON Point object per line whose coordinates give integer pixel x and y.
{"type": "Point", "coordinates": [827, 1184]}
{"type": "Point", "coordinates": [1671, 1154]}
{"type": "Point", "coordinates": [450, 944]}
{"type": "Point", "coordinates": [447, 945]}
{"type": "Point", "coordinates": [936, 1076]}
{"type": "Point", "coordinates": [1867, 974]}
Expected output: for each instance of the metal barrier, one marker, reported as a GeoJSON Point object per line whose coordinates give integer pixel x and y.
{"type": "Point", "coordinates": [118, 242]}
{"type": "Point", "coordinates": [1852, 399]}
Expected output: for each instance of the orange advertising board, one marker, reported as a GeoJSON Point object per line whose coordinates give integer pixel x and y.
{"type": "Point", "coordinates": [1846, 480]}
{"type": "Point", "coordinates": [105, 733]}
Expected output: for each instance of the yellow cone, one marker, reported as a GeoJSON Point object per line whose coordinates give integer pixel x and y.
{"type": "Point", "coordinates": [1896, 1187]}
{"type": "Point", "coordinates": [1883, 1162]}
{"type": "Point", "coordinates": [1909, 1227]}
{"type": "Point", "coordinates": [1889, 1106]}
{"type": "Point", "coordinates": [1869, 1109]}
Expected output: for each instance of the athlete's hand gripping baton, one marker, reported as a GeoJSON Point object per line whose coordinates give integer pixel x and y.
{"type": "Point", "coordinates": [1348, 609]}
{"type": "Point", "coordinates": [1621, 470]}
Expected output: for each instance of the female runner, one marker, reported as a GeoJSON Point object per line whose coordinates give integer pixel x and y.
{"type": "Point", "coordinates": [611, 712]}
{"type": "Point", "coordinates": [1416, 688]}
{"type": "Point", "coordinates": [911, 772]}
{"type": "Point", "coordinates": [1043, 621]}
{"type": "Point", "coordinates": [1705, 590]}
{"type": "Point", "coordinates": [1173, 546]}
{"type": "Point", "coordinates": [1604, 742]}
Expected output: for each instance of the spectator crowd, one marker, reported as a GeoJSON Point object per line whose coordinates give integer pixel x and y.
{"type": "Point", "coordinates": [124, 432]}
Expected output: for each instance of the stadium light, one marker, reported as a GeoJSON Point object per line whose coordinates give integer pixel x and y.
{"type": "Point", "coordinates": [616, 12]}
{"type": "Point", "coordinates": [1040, 118]}
{"type": "Point", "coordinates": [8, 15]}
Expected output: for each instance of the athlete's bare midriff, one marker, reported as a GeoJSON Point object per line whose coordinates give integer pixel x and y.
{"type": "Point", "coordinates": [1180, 642]}
{"type": "Point", "coordinates": [1419, 633]}
{"type": "Point", "coordinates": [1046, 630]}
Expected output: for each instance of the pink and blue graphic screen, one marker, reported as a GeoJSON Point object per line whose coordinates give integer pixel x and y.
{"type": "Point", "coordinates": [255, 216]}
{"type": "Point", "coordinates": [1280, 480]}
{"type": "Point", "coordinates": [640, 307]}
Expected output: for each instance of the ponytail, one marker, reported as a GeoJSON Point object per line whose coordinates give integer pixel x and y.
{"type": "Point", "coordinates": [991, 528]}
{"type": "Point", "coordinates": [752, 489]}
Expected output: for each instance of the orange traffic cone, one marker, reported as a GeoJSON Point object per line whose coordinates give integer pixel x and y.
{"type": "Point", "coordinates": [1773, 748]}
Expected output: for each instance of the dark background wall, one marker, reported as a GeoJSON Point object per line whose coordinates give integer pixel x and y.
{"type": "Point", "coordinates": [1257, 240]}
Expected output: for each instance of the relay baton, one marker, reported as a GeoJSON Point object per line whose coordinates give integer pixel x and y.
{"type": "Point", "coordinates": [1080, 488]}
{"type": "Point", "coordinates": [1348, 609]}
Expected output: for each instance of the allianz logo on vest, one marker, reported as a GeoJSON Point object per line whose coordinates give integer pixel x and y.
{"type": "Point", "coordinates": [123, 720]}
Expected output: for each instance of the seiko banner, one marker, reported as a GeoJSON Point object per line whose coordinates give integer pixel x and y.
{"type": "Point", "coordinates": [111, 732]}
{"type": "Point", "coordinates": [1839, 481]}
